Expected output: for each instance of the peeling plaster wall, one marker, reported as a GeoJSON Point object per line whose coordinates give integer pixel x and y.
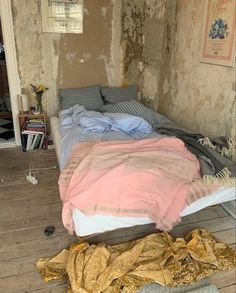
{"type": "Point", "coordinates": [67, 60]}
{"type": "Point", "coordinates": [147, 27]}
{"type": "Point", "coordinates": [200, 96]}
{"type": "Point", "coordinates": [132, 23]}
{"type": "Point", "coordinates": [165, 64]}
{"type": "Point", "coordinates": [36, 57]}
{"type": "Point", "coordinates": [87, 56]}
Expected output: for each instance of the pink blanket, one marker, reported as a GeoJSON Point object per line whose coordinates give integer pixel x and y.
{"type": "Point", "coordinates": [148, 177]}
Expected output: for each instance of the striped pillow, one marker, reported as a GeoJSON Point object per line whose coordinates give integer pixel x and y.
{"type": "Point", "coordinates": [89, 97]}
{"type": "Point", "coordinates": [119, 94]}
{"type": "Point", "coordinates": [135, 108]}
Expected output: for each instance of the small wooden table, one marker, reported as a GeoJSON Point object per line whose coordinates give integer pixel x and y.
{"type": "Point", "coordinates": [27, 117]}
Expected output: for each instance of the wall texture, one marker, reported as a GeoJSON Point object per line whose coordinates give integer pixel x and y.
{"type": "Point", "coordinates": [67, 60]}
{"type": "Point", "coordinates": [200, 96]}
{"type": "Point", "coordinates": [147, 28]}
{"type": "Point", "coordinates": [153, 43]}
{"type": "Point", "coordinates": [166, 65]}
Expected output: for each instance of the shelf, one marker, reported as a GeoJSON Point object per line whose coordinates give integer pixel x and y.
{"type": "Point", "coordinates": [31, 134]}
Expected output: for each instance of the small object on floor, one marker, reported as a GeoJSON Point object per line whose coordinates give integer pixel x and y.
{"type": "Point", "coordinates": [49, 230]}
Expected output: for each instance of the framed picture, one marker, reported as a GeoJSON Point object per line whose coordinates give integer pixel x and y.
{"type": "Point", "coordinates": [62, 16]}
{"type": "Point", "coordinates": [218, 40]}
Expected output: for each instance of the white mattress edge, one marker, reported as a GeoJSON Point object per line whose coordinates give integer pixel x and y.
{"type": "Point", "coordinates": [88, 225]}
{"type": "Point", "coordinates": [56, 136]}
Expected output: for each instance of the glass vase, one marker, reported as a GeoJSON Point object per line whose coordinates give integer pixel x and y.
{"type": "Point", "coordinates": [39, 102]}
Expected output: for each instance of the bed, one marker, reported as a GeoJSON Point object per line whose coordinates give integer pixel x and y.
{"type": "Point", "coordinates": [66, 137]}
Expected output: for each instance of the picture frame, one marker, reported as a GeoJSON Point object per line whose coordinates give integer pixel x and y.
{"type": "Point", "coordinates": [218, 38]}
{"type": "Point", "coordinates": [62, 16]}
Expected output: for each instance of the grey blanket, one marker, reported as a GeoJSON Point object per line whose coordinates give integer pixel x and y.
{"type": "Point", "coordinates": [215, 166]}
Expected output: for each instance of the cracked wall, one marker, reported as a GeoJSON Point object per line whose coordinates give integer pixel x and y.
{"type": "Point", "coordinates": [67, 60]}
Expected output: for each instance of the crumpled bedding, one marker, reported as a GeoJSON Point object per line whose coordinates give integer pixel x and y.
{"type": "Point", "coordinates": [93, 121]}
{"type": "Point", "coordinates": [126, 267]}
{"type": "Point", "coordinates": [78, 125]}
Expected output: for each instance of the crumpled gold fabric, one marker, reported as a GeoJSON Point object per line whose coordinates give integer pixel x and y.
{"type": "Point", "coordinates": [126, 267]}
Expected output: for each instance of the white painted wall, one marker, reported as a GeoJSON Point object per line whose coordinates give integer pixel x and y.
{"type": "Point", "coordinates": [11, 61]}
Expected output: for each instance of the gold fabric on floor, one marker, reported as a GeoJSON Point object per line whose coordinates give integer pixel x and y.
{"type": "Point", "coordinates": [126, 267]}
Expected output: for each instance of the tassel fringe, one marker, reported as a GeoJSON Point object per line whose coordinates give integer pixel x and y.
{"type": "Point", "coordinates": [224, 151]}
{"type": "Point", "coordinates": [222, 177]}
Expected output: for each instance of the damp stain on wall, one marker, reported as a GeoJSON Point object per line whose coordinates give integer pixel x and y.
{"type": "Point", "coordinates": [146, 31]}
{"type": "Point", "coordinates": [132, 39]}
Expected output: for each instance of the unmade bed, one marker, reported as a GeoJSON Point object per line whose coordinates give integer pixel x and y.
{"type": "Point", "coordinates": [67, 136]}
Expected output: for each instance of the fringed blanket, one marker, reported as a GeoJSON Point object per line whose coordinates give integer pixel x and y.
{"type": "Point", "coordinates": [126, 267]}
{"type": "Point", "coordinates": [144, 178]}
{"type": "Point", "coordinates": [214, 155]}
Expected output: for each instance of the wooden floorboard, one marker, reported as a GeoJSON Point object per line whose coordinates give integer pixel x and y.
{"type": "Point", "coordinates": [228, 289]}
{"type": "Point", "coordinates": [25, 210]}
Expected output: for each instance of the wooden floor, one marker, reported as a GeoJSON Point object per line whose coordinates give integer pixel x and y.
{"type": "Point", "coordinates": [25, 210]}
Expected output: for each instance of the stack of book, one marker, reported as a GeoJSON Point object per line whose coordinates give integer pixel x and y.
{"type": "Point", "coordinates": [33, 135]}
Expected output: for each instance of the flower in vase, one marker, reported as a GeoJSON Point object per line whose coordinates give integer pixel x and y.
{"type": "Point", "coordinates": [39, 90]}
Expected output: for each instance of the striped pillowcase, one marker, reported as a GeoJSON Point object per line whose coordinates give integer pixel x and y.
{"type": "Point", "coordinates": [119, 94]}
{"type": "Point", "coordinates": [135, 108]}
{"type": "Point", "coordinates": [89, 97]}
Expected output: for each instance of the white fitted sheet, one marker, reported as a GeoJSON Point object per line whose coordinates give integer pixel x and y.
{"type": "Point", "coordinates": [87, 225]}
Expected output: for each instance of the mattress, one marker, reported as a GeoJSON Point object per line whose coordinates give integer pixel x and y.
{"type": "Point", "coordinates": [56, 136]}
{"type": "Point", "coordinates": [88, 225]}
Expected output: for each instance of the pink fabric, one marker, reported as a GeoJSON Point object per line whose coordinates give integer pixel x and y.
{"type": "Point", "coordinates": [197, 189]}
{"type": "Point", "coordinates": [147, 177]}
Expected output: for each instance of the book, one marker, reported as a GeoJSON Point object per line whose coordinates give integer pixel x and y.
{"type": "Point", "coordinates": [36, 141]}
{"type": "Point", "coordinates": [36, 129]}
{"type": "Point", "coordinates": [41, 141]}
{"type": "Point", "coordinates": [31, 132]}
{"type": "Point", "coordinates": [35, 121]}
{"type": "Point", "coordinates": [29, 141]}
{"type": "Point", "coordinates": [32, 125]}
{"type": "Point", "coordinates": [24, 138]}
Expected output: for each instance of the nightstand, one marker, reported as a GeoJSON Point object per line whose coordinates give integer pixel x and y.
{"type": "Point", "coordinates": [33, 129]}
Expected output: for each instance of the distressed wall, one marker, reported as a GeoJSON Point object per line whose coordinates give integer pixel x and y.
{"type": "Point", "coordinates": [67, 60]}
{"type": "Point", "coordinates": [159, 51]}
{"type": "Point", "coordinates": [167, 69]}
{"type": "Point", "coordinates": [147, 28]}
{"type": "Point", "coordinates": [200, 96]}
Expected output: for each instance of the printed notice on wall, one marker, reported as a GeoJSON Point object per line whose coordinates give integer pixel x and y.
{"type": "Point", "coordinates": [218, 41]}
{"type": "Point", "coordinates": [62, 16]}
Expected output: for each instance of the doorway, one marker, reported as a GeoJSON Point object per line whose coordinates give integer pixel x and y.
{"type": "Point", "coordinates": [12, 71]}
{"type": "Point", "coordinates": [7, 136]}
